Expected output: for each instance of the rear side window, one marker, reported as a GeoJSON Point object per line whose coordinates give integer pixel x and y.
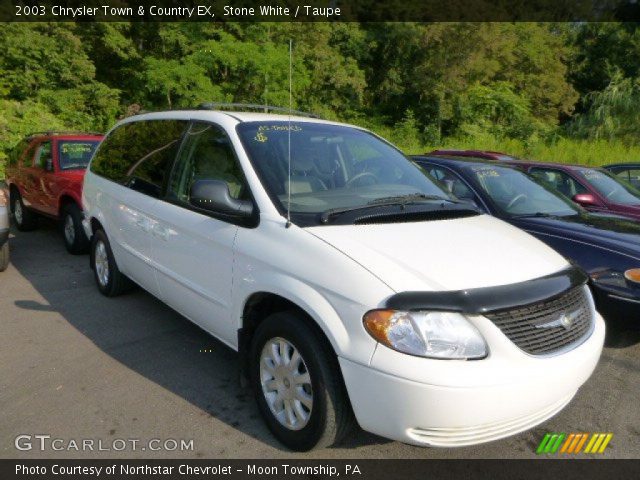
{"type": "Point", "coordinates": [18, 152]}
{"type": "Point", "coordinates": [139, 154]}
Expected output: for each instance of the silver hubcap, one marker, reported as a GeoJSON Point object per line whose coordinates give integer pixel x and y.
{"type": "Point", "coordinates": [286, 384]}
{"type": "Point", "coordinates": [17, 212]}
{"type": "Point", "coordinates": [102, 263]}
{"type": "Point", "coordinates": [69, 230]}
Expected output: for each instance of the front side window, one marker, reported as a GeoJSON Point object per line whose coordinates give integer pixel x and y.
{"type": "Point", "coordinates": [139, 154]}
{"type": "Point", "coordinates": [610, 187]}
{"type": "Point", "coordinates": [559, 180]}
{"type": "Point", "coordinates": [42, 158]}
{"type": "Point", "coordinates": [453, 183]}
{"type": "Point", "coordinates": [514, 193]}
{"type": "Point", "coordinates": [75, 154]}
{"type": "Point", "coordinates": [332, 166]}
{"type": "Point", "coordinates": [206, 154]}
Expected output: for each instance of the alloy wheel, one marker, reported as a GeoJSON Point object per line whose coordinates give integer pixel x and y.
{"type": "Point", "coordinates": [286, 384]}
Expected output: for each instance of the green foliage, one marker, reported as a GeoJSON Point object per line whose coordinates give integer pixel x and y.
{"type": "Point", "coordinates": [614, 113]}
{"type": "Point", "coordinates": [514, 87]}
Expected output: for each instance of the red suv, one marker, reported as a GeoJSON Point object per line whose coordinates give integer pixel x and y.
{"type": "Point", "coordinates": [44, 174]}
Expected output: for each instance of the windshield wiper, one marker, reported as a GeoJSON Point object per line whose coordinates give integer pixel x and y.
{"type": "Point", "coordinates": [406, 199]}
{"type": "Point", "coordinates": [382, 202]}
{"type": "Point", "coordinates": [535, 215]}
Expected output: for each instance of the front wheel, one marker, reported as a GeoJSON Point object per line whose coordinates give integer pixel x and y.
{"type": "Point", "coordinates": [297, 383]}
{"type": "Point", "coordinates": [75, 240]}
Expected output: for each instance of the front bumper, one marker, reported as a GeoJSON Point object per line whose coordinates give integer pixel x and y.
{"type": "Point", "coordinates": [616, 300]}
{"type": "Point", "coordinates": [450, 403]}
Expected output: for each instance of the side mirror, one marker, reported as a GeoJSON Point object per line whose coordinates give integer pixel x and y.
{"type": "Point", "coordinates": [214, 196]}
{"type": "Point", "coordinates": [48, 164]}
{"type": "Point", "coordinates": [585, 199]}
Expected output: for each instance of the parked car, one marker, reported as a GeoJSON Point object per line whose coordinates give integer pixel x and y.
{"type": "Point", "coordinates": [629, 172]}
{"type": "Point", "coordinates": [352, 285]}
{"type": "Point", "coordinates": [606, 247]}
{"type": "Point", "coordinates": [595, 189]}
{"type": "Point", "coordinates": [487, 154]}
{"type": "Point", "coordinates": [44, 174]}
{"type": "Point", "coordinates": [4, 230]}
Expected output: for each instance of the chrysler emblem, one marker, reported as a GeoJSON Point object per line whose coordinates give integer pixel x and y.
{"type": "Point", "coordinates": [565, 321]}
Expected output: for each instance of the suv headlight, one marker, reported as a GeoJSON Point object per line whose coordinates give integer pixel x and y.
{"type": "Point", "coordinates": [446, 335]}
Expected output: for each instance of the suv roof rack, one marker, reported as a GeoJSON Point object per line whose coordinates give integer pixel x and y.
{"type": "Point", "coordinates": [62, 132]}
{"type": "Point", "coordinates": [253, 106]}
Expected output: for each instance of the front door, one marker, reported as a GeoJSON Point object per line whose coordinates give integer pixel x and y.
{"type": "Point", "coordinates": [194, 250]}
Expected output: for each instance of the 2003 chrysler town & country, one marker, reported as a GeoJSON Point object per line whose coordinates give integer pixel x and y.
{"type": "Point", "coordinates": [377, 296]}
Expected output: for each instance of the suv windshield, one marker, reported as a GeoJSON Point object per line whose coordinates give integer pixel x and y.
{"type": "Point", "coordinates": [332, 167]}
{"type": "Point", "coordinates": [75, 154]}
{"type": "Point", "coordinates": [613, 189]}
{"type": "Point", "coordinates": [516, 194]}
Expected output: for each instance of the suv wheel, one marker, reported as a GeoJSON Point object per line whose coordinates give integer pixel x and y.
{"type": "Point", "coordinates": [71, 223]}
{"type": "Point", "coordinates": [25, 219]}
{"type": "Point", "coordinates": [297, 383]}
{"type": "Point", "coordinates": [111, 282]}
{"type": "Point", "coordinates": [4, 257]}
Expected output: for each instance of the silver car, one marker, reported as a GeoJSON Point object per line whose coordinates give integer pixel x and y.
{"type": "Point", "coordinates": [4, 229]}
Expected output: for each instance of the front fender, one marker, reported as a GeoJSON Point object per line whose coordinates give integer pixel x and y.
{"type": "Point", "coordinates": [346, 335]}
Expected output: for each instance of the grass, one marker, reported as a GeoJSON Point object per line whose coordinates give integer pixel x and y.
{"type": "Point", "coordinates": [564, 150]}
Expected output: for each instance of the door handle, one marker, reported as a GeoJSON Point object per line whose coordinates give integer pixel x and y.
{"type": "Point", "coordinates": [144, 225]}
{"type": "Point", "coordinates": [160, 232]}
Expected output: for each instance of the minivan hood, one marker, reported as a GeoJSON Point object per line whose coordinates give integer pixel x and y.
{"type": "Point", "coordinates": [473, 252]}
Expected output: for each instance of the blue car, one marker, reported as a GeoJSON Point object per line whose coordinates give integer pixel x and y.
{"type": "Point", "coordinates": [607, 247]}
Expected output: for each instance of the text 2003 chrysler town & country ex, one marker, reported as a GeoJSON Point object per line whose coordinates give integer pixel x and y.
{"type": "Point", "coordinates": [383, 298]}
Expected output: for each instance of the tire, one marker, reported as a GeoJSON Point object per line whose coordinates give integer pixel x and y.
{"type": "Point", "coordinates": [328, 414]}
{"type": "Point", "coordinates": [110, 281]}
{"type": "Point", "coordinates": [75, 240]}
{"type": "Point", "coordinates": [24, 218]}
{"type": "Point", "coordinates": [4, 257]}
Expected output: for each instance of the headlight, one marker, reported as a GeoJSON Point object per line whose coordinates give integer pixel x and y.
{"type": "Point", "coordinates": [446, 335]}
{"type": "Point", "coordinates": [633, 275]}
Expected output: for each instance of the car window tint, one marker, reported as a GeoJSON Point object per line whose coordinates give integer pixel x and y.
{"type": "Point", "coordinates": [75, 154]}
{"type": "Point", "coordinates": [559, 180]}
{"type": "Point", "coordinates": [139, 154]}
{"type": "Point", "coordinates": [453, 183]}
{"type": "Point", "coordinates": [206, 154]}
{"type": "Point", "coordinates": [611, 187]}
{"type": "Point", "coordinates": [43, 153]}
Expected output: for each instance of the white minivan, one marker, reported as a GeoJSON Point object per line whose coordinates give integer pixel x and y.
{"type": "Point", "coordinates": [351, 284]}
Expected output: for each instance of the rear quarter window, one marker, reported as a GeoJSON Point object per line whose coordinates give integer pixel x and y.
{"type": "Point", "coordinates": [139, 154]}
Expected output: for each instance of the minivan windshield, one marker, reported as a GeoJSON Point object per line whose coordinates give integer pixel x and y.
{"type": "Point", "coordinates": [516, 194]}
{"type": "Point", "coordinates": [610, 187]}
{"type": "Point", "coordinates": [332, 167]}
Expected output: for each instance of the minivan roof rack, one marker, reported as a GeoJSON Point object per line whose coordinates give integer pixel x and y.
{"type": "Point", "coordinates": [62, 132]}
{"type": "Point", "coordinates": [252, 106]}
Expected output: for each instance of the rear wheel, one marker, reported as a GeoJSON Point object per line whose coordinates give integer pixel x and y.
{"type": "Point", "coordinates": [4, 257]}
{"type": "Point", "coordinates": [25, 219]}
{"type": "Point", "coordinates": [75, 240]}
{"type": "Point", "coordinates": [296, 380]}
{"type": "Point", "coordinates": [111, 282]}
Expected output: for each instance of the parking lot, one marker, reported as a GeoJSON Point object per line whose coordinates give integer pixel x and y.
{"type": "Point", "coordinates": [76, 365]}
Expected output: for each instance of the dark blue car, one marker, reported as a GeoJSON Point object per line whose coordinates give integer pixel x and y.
{"type": "Point", "coordinates": [606, 247]}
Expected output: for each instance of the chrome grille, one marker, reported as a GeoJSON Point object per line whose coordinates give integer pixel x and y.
{"type": "Point", "coordinates": [543, 328]}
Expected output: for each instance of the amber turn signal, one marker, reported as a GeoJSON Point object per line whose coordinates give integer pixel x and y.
{"type": "Point", "coordinates": [633, 275]}
{"type": "Point", "coordinates": [377, 322]}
